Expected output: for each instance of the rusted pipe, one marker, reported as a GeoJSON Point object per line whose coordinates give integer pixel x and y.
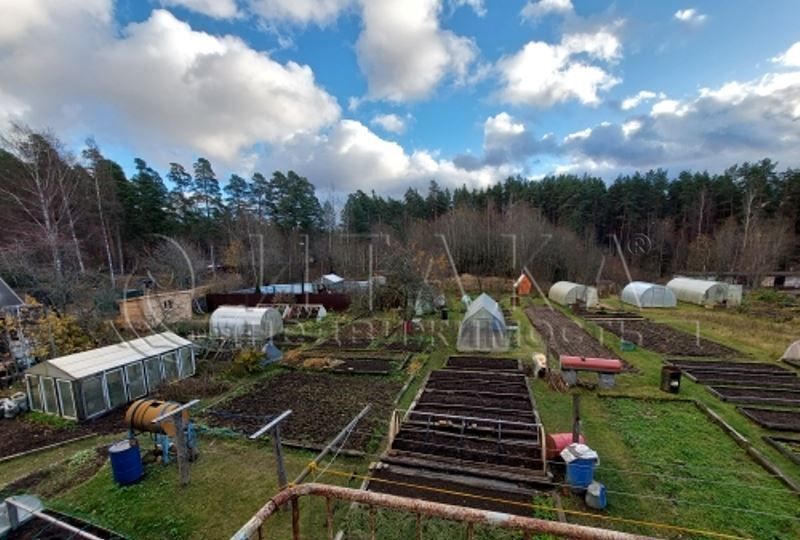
{"type": "Point", "coordinates": [432, 509]}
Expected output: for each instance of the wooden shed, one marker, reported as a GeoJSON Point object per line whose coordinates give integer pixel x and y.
{"type": "Point", "coordinates": [152, 310]}
{"type": "Point", "coordinates": [523, 285]}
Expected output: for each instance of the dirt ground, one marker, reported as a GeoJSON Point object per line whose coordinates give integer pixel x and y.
{"type": "Point", "coordinates": [471, 363]}
{"type": "Point", "coordinates": [21, 434]}
{"type": "Point", "coordinates": [565, 336]}
{"type": "Point", "coordinates": [665, 339]}
{"type": "Point", "coordinates": [38, 529]}
{"type": "Point", "coordinates": [321, 403]}
{"type": "Point", "coordinates": [772, 419]}
{"type": "Point", "coordinates": [758, 395]}
{"type": "Point", "coordinates": [443, 491]}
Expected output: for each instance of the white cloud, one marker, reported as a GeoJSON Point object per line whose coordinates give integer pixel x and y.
{"type": "Point", "coordinates": [542, 74]}
{"type": "Point", "coordinates": [477, 6]}
{"type": "Point", "coordinates": [390, 122]}
{"type": "Point", "coordinates": [320, 12]}
{"type": "Point", "coordinates": [536, 10]}
{"type": "Point", "coordinates": [404, 53]}
{"type": "Point", "coordinates": [630, 127]}
{"type": "Point", "coordinates": [159, 88]}
{"type": "Point", "coordinates": [350, 156]}
{"type": "Point", "coordinates": [507, 142]}
{"type": "Point", "coordinates": [690, 16]}
{"type": "Point", "coordinates": [218, 9]}
{"type": "Point", "coordinates": [738, 121]}
{"type": "Point", "coordinates": [642, 96]}
{"type": "Point", "coordinates": [582, 134]}
{"type": "Point", "coordinates": [791, 58]}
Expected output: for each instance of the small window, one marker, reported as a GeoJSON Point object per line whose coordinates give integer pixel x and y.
{"type": "Point", "coordinates": [67, 399]}
{"type": "Point", "coordinates": [153, 369]}
{"type": "Point", "coordinates": [167, 304]}
{"type": "Point", "coordinates": [170, 366]}
{"type": "Point", "coordinates": [49, 397]}
{"type": "Point", "coordinates": [34, 392]}
{"type": "Point", "coordinates": [94, 399]}
{"type": "Point", "coordinates": [115, 385]}
{"type": "Point", "coordinates": [136, 385]}
{"type": "Point", "coordinates": [186, 362]}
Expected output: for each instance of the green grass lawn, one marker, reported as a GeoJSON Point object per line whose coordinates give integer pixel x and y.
{"type": "Point", "coordinates": [229, 483]}
{"type": "Point", "coordinates": [662, 460]}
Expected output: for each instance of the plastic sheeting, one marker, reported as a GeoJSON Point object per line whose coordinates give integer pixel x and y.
{"type": "Point", "coordinates": [567, 293]}
{"type": "Point", "coordinates": [648, 295]}
{"type": "Point", "coordinates": [245, 323]}
{"type": "Point", "coordinates": [483, 327]}
{"type": "Point", "coordinates": [699, 291]}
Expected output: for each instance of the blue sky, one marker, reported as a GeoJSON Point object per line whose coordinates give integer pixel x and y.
{"type": "Point", "coordinates": [383, 94]}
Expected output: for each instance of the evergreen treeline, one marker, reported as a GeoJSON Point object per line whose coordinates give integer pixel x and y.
{"type": "Point", "coordinates": [81, 214]}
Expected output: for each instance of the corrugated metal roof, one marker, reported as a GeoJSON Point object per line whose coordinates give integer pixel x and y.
{"type": "Point", "coordinates": [84, 364]}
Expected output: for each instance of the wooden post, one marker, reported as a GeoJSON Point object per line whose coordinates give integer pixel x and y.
{"type": "Point", "coordinates": [295, 503]}
{"type": "Point", "coordinates": [180, 446]}
{"type": "Point", "coordinates": [278, 447]}
{"type": "Point", "coordinates": [176, 417]}
{"type": "Point", "coordinates": [576, 417]}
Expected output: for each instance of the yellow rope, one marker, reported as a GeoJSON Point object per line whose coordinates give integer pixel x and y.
{"type": "Point", "coordinates": [629, 521]}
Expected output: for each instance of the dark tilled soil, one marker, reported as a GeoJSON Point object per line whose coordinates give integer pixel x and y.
{"type": "Point", "coordinates": [602, 313]}
{"type": "Point", "coordinates": [792, 362]}
{"type": "Point", "coordinates": [521, 402]}
{"type": "Point", "coordinates": [759, 392]}
{"type": "Point", "coordinates": [410, 346]}
{"type": "Point", "coordinates": [565, 336]}
{"type": "Point", "coordinates": [448, 492]}
{"type": "Point", "coordinates": [479, 363]}
{"type": "Point", "coordinates": [756, 381]}
{"type": "Point", "coordinates": [201, 386]}
{"type": "Point", "coordinates": [722, 366]}
{"type": "Point", "coordinates": [377, 366]}
{"type": "Point", "coordinates": [322, 405]}
{"type": "Point", "coordinates": [665, 339]}
{"type": "Point", "coordinates": [20, 434]}
{"type": "Point", "coordinates": [52, 481]}
{"type": "Point", "coordinates": [779, 420]}
{"type": "Point", "coordinates": [38, 529]}
{"type": "Point", "coordinates": [475, 412]}
{"type": "Point", "coordinates": [758, 395]}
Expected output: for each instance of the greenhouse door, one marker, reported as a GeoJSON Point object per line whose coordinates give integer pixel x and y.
{"type": "Point", "coordinates": [67, 399]}
{"type": "Point", "coordinates": [49, 398]}
{"type": "Point", "coordinates": [153, 368]}
{"type": "Point", "coordinates": [115, 386]}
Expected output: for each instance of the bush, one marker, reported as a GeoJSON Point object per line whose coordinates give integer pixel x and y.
{"type": "Point", "coordinates": [248, 361]}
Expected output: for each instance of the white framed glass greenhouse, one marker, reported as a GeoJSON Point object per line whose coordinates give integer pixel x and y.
{"type": "Point", "coordinates": [648, 295]}
{"type": "Point", "coordinates": [483, 327]}
{"type": "Point", "coordinates": [241, 323]}
{"type": "Point", "coordinates": [567, 293]}
{"type": "Point", "coordinates": [699, 291]}
{"type": "Point", "coordinates": [84, 385]}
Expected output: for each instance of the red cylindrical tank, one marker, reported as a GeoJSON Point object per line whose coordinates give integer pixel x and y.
{"type": "Point", "coordinates": [606, 365]}
{"type": "Point", "coordinates": [556, 442]}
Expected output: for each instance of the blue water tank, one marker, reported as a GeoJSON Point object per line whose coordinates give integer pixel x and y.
{"type": "Point", "coordinates": [580, 474]}
{"type": "Point", "coordinates": [126, 462]}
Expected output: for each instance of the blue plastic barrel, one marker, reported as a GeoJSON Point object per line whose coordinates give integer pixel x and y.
{"type": "Point", "coordinates": [126, 462]}
{"type": "Point", "coordinates": [580, 473]}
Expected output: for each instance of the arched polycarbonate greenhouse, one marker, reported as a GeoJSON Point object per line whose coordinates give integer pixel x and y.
{"type": "Point", "coordinates": [483, 327]}
{"type": "Point", "coordinates": [648, 295]}
{"type": "Point", "coordinates": [699, 291]}
{"type": "Point", "coordinates": [241, 323]}
{"type": "Point", "coordinates": [568, 293]}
